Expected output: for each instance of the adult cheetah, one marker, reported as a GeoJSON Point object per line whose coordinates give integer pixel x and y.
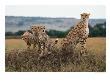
{"type": "Point", "coordinates": [78, 34]}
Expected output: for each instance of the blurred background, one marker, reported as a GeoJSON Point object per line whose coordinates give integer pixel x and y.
{"type": "Point", "coordinates": [57, 19]}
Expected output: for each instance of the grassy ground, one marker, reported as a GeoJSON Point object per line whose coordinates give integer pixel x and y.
{"type": "Point", "coordinates": [95, 44]}
{"type": "Point", "coordinates": [19, 59]}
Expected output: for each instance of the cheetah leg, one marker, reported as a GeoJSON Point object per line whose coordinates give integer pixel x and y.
{"type": "Point", "coordinates": [49, 48]}
{"type": "Point", "coordinates": [34, 45]}
{"type": "Point", "coordinates": [83, 47]}
{"type": "Point", "coordinates": [39, 47]}
{"type": "Point", "coordinates": [42, 50]}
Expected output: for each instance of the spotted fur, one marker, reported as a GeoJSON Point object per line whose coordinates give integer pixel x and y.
{"type": "Point", "coordinates": [78, 34]}
{"type": "Point", "coordinates": [45, 42]}
{"type": "Point", "coordinates": [29, 39]}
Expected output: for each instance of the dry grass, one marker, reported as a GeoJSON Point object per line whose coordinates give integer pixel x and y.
{"type": "Point", "coordinates": [19, 59]}
{"type": "Point", "coordinates": [14, 44]}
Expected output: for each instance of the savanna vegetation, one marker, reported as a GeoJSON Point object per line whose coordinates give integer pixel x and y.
{"type": "Point", "coordinates": [17, 58]}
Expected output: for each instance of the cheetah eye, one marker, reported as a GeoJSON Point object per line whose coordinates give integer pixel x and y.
{"type": "Point", "coordinates": [25, 38]}
{"type": "Point", "coordinates": [31, 28]}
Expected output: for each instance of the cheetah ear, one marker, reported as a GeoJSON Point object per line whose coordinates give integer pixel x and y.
{"type": "Point", "coordinates": [44, 27]}
{"type": "Point", "coordinates": [88, 13]}
{"type": "Point", "coordinates": [81, 14]}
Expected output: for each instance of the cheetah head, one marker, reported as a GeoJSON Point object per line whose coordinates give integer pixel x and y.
{"type": "Point", "coordinates": [85, 16]}
{"type": "Point", "coordinates": [25, 36]}
{"type": "Point", "coordinates": [34, 28]}
{"type": "Point", "coordinates": [37, 29]}
{"type": "Point", "coordinates": [41, 29]}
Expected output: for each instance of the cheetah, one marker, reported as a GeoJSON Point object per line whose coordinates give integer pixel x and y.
{"type": "Point", "coordinates": [29, 39]}
{"type": "Point", "coordinates": [46, 43]}
{"type": "Point", "coordinates": [78, 34]}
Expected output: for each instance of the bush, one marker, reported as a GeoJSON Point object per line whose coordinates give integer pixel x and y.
{"type": "Point", "coordinates": [55, 33]}
{"type": "Point", "coordinates": [28, 60]}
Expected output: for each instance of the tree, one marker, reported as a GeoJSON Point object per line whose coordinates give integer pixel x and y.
{"type": "Point", "coordinates": [9, 34]}
{"type": "Point", "coordinates": [19, 33]}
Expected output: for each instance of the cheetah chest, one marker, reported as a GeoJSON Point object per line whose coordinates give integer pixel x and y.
{"type": "Point", "coordinates": [87, 31]}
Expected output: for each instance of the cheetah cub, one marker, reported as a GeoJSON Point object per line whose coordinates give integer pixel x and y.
{"type": "Point", "coordinates": [45, 42]}
{"type": "Point", "coordinates": [29, 39]}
